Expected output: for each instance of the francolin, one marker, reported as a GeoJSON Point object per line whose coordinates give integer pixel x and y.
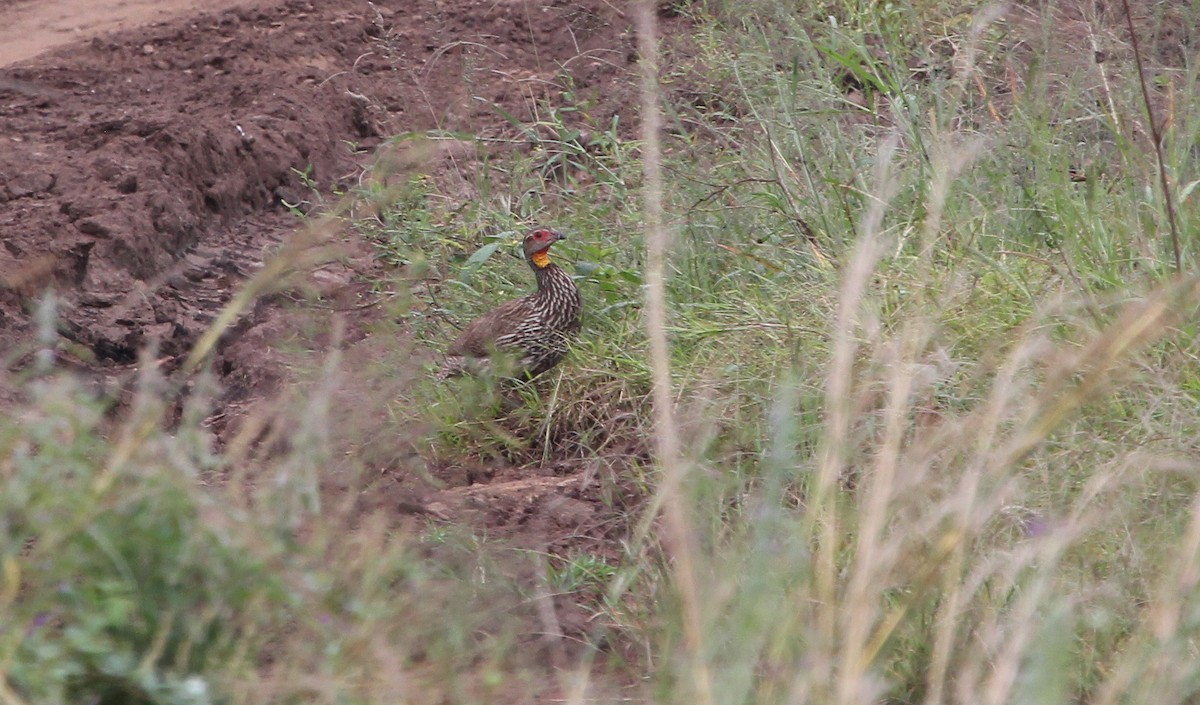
{"type": "Point", "coordinates": [534, 330]}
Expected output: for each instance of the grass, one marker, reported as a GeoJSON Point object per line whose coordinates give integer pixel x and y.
{"type": "Point", "coordinates": [935, 405]}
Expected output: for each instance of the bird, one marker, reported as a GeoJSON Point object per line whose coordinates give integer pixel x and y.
{"type": "Point", "coordinates": [534, 330]}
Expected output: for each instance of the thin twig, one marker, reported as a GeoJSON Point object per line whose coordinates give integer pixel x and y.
{"type": "Point", "coordinates": [718, 190]}
{"type": "Point", "coordinates": [1156, 137]}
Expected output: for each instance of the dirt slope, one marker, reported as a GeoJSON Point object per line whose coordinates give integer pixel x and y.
{"type": "Point", "coordinates": [143, 172]}
{"type": "Point", "coordinates": [129, 159]}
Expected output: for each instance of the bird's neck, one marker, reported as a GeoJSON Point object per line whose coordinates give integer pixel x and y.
{"type": "Point", "coordinates": [547, 273]}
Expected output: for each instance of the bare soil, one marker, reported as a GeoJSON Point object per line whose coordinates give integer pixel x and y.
{"type": "Point", "coordinates": [32, 27]}
{"type": "Point", "coordinates": [144, 172]}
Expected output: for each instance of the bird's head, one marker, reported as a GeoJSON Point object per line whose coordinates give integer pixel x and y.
{"type": "Point", "coordinates": [537, 246]}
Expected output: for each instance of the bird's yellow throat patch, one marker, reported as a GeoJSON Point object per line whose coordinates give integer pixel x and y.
{"type": "Point", "coordinates": [541, 260]}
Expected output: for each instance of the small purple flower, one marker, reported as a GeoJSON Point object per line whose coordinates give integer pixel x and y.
{"type": "Point", "coordinates": [1037, 526]}
{"type": "Point", "coordinates": [39, 620]}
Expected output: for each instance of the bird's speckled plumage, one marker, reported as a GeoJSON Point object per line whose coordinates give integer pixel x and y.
{"type": "Point", "coordinates": [535, 329]}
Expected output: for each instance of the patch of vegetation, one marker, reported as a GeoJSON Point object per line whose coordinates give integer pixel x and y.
{"type": "Point", "coordinates": [897, 311]}
{"type": "Point", "coordinates": [140, 567]}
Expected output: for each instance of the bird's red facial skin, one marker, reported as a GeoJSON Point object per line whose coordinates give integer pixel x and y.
{"type": "Point", "coordinates": [541, 237]}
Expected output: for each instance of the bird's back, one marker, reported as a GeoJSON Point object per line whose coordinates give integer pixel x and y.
{"type": "Point", "coordinates": [479, 338]}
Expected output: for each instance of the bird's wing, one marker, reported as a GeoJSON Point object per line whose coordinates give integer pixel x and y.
{"type": "Point", "coordinates": [478, 339]}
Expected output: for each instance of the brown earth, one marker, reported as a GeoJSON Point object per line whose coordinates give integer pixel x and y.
{"type": "Point", "coordinates": [144, 172]}
{"type": "Point", "coordinates": [32, 27]}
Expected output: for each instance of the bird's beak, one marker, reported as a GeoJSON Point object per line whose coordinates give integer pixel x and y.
{"type": "Point", "coordinates": [558, 236]}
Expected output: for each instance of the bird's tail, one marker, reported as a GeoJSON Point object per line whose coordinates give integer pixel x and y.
{"type": "Point", "coordinates": [453, 367]}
